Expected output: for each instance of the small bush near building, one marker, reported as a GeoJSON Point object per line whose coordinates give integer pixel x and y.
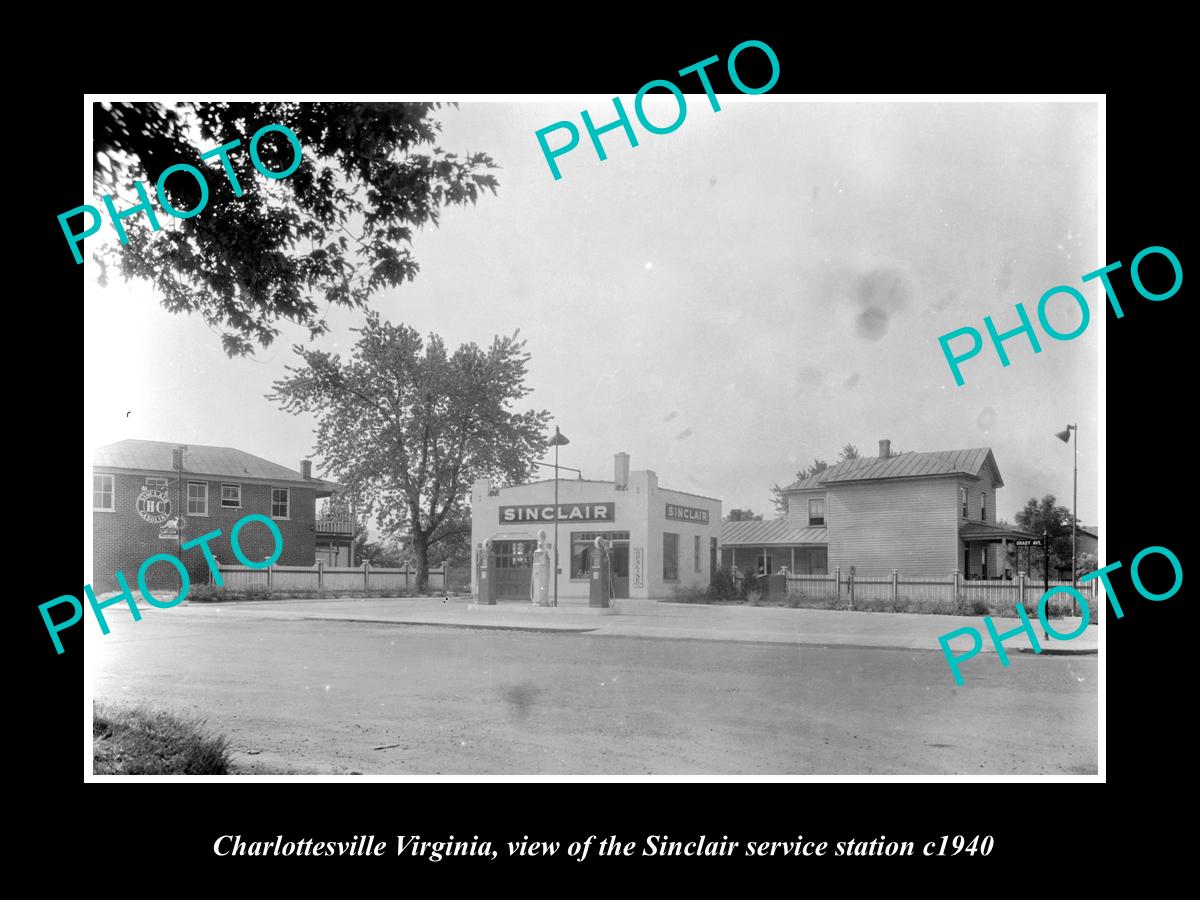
{"type": "Point", "coordinates": [723, 588]}
{"type": "Point", "coordinates": [138, 741]}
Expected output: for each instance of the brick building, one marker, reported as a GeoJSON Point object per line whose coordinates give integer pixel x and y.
{"type": "Point", "coordinates": [139, 488]}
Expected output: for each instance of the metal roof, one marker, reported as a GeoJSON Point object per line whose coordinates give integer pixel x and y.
{"type": "Point", "coordinates": [775, 531]}
{"type": "Point", "coordinates": [914, 464]}
{"type": "Point", "coordinates": [986, 531]}
{"type": "Point", "coordinates": [222, 462]}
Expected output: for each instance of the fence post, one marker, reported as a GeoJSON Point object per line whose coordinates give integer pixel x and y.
{"type": "Point", "coordinates": [270, 579]}
{"type": "Point", "coordinates": [837, 583]}
{"type": "Point", "coordinates": [957, 591]}
{"type": "Point", "coordinates": [406, 576]}
{"type": "Point", "coordinates": [895, 585]}
{"type": "Point", "coordinates": [850, 588]}
{"type": "Point", "coordinates": [320, 574]}
{"type": "Point", "coordinates": [444, 591]}
{"type": "Point", "coordinates": [366, 575]}
{"type": "Point", "coordinates": [1021, 589]}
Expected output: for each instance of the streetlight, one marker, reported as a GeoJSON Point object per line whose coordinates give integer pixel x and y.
{"type": "Point", "coordinates": [1065, 437]}
{"type": "Point", "coordinates": [557, 441]}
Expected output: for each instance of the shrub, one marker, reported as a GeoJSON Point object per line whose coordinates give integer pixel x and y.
{"type": "Point", "coordinates": [137, 741]}
{"type": "Point", "coordinates": [748, 586]}
{"type": "Point", "coordinates": [723, 588]}
{"type": "Point", "coordinates": [753, 597]}
{"type": "Point", "coordinates": [900, 605]}
{"type": "Point", "coordinates": [979, 607]}
{"type": "Point", "coordinates": [692, 595]}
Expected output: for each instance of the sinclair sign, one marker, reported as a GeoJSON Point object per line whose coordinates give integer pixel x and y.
{"type": "Point", "coordinates": [687, 514]}
{"type": "Point", "coordinates": [567, 512]}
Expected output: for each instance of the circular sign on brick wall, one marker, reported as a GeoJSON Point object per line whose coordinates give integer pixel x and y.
{"type": "Point", "coordinates": [154, 505]}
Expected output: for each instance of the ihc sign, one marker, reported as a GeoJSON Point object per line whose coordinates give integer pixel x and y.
{"type": "Point", "coordinates": [154, 505]}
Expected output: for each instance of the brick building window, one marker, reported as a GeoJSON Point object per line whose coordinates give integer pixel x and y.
{"type": "Point", "coordinates": [280, 507]}
{"type": "Point", "coordinates": [231, 496]}
{"type": "Point", "coordinates": [197, 498]}
{"type": "Point", "coordinates": [103, 493]}
{"type": "Point", "coordinates": [159, 484]}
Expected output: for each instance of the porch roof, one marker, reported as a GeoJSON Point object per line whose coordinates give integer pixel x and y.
{"type": "Point", "coordinates": [982, 531]}
{"type": "Point", "coordinates": [774, 532]}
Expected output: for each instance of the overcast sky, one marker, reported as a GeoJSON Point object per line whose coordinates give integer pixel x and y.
{"type": "Point", "coordinates": [724, 303]}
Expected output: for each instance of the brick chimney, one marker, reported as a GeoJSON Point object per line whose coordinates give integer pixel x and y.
{"type": "Point", "coordinates": [306, 469]}
{"type": "Point", "coordinates": [885, 449]}
{"type": "Point", "coordinates": [621, 470]}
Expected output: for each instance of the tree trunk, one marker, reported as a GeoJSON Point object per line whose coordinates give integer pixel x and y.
{"type": "Point", "coordinates": [421, 551]}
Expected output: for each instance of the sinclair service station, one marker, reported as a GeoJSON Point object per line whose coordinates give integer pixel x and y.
{"type": "Point", "coordinates": [652, 540]}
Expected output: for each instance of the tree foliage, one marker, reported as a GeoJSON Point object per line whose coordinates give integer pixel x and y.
{"type": "Point", "coordinates": [407, 426]}
{"type": "Point", "coordinates": [742, 515]}
{"type": "Point", "coordinates": [1044, 515]}
{"type": "Point", "coordinates": [331, 233]}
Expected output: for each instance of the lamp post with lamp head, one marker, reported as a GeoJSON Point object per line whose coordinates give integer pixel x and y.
{"type": "Point", "coordinates": [1065, 437]}
{"type": "Point", "coordinates": [557, 441]}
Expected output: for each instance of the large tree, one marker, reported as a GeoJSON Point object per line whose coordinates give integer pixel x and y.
{"type": "Point", "coordinates": [408, 426]}
{"type": "Point", "coordinates": [1045, 515]}
{"type": "Point", "coordinates": [332, 232]}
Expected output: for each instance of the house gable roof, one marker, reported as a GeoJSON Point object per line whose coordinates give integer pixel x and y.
{"type": "Point", "coordinates": [221, 462]}
{"type": "Point", "coordinates": [915, 464]}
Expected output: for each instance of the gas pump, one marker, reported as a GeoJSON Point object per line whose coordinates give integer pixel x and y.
{"type": "Point", "coordinates": [601, 580]}
{"type": "Point", "coordinates": [487, 585]}
{"type": "Point", "coordinates": [539, 583]}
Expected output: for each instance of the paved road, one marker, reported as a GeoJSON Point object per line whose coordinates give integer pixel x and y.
{"type": "Point", "coordinates": [308, 696]}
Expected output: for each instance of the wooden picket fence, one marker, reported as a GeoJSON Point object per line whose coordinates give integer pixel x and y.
{"type": "Point", "coordinates": [839, 585]}
{"type": "Point", "coordinates": [328, 578]}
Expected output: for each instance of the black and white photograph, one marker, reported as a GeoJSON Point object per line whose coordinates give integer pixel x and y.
{"type": "Point", "coordinates": [702, 433]}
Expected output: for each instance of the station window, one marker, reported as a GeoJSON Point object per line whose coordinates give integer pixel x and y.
{"type": "Point", "coordinates": [670, 557]}
{"type": "Point", "coordinates": [816, 511]}
{"type": "Point", "coordinates": [697, 552]}
{"type": "Point", "coordinates": [231, 495]}
{"type": "Point", "coordinates": [514, 554]}
{"type": "Point", "coordinates": [582, 545]}
{"type": "Point", "coordinates": [102, 493]}
{"type": "Point", "coordinates": [197, 498]}
{"type": "Point", "coordinates": [159, 484]}
{"type": "Point", "coordinates": [280, 503]}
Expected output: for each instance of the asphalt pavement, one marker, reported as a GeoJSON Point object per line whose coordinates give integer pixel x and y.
{"type": "Point", "coordinates": [395, 687]}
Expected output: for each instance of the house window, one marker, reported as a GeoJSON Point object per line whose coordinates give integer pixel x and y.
{"type": "Point", "coordinates": [102, 493]}
{"type": "Point", "coordinates": [197, 498]}
{"type": "Point", "coordinates": [816, 512]}
{"type": "Point", "coordinates": [670, 557]}
{"type": "Point", "coordinates": [983, 507]}
{"type": "Point", "coordinates": [158, 484]}
{"type": "Point", "coordinates": [764, 565]}
{"type": "Point", "coordinates": [962, 493]}
{"type": "Point", "coordinates": [231, 495]}
{"type": "Point", "coordinates": [280, 505]}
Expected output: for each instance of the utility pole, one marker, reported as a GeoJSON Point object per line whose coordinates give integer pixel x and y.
{"type": "Point", "coordinates": [179, 501]}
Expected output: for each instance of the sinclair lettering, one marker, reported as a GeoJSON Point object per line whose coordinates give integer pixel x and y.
{"type": "Point", "coordinates": [687, 514]}
{"type": "Point", "coordinates": [567, 512]}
